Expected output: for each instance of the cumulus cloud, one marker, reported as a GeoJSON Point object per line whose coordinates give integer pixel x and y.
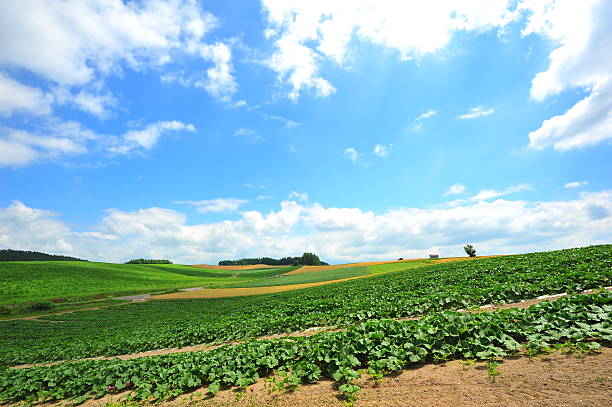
{"type": "Point", "coordinates": [60, 139]}
{"type": "Point", "coordinates": [308, 34]}
{"type": "Point", "coordinates": [492, 193]}
{"type": "Point", "coordinates": [216, 205]}
{"type": "Point", "coordinates": [381, 150]}
{"type": "Point", "coordinates": [352, 154]}
{"type": "Point", "coordinates": [476, 112]}
{"type": "Point", "coordinates": [455, 189]}
{"type": "Point", "coordinates": [586, 123]}
{"type": "Point", "coordinates": [335, 234]}
{"type": "Point", "coordinates": [72, 42]}
{"type": "Point", "coordinates": [17, 97]}
{"type": "Point", "coordinates": [575, 184]}
{"type": "Point", "coordinates": [581, 34]}
{"type": "Point", "coordinates": [220, 83]}
{"type": "Point", "coordinates": [147, 137]}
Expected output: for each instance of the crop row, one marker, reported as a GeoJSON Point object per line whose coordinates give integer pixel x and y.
{"type": "Point", "coordinates": [381, 347]}
{"type": "Point", "coordinates": [164, 324]}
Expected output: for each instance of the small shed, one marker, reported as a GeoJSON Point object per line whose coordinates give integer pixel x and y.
{"type": "Point", "coordinates": [434, 256]}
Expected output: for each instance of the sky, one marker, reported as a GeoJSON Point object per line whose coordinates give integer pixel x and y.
{"type": "Point", "coordinates": [199, 131]}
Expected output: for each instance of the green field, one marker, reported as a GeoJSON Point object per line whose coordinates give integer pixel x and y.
{"type": "Point", "coordinates": [36, 281]}
{"type": "Point", "coordinates": [397, 266]}
{"type": "Point", "coordinates": [163, 324]}
{"type": "Point", "coordinates": [371, 342]}
{"type": "Point", "coordinates": [313, 277]}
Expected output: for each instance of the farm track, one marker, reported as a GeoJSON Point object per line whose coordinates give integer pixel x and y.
{"type": "Point", "coordinates": [556, 379]}
{"type": "Point", "coordinates": [36, 317]}
{"type": "Point", "coordinates": [304, 333]}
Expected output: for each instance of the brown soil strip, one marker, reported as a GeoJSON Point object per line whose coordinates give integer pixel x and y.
{"type": "Point", "coordinates": [243, 291]}
{"type": "Point", "coordinates": [303, 333]}
{"type": "Point", "coordinates": [553, 380]}
{"type": "Point", "coordinates": [249, 267]}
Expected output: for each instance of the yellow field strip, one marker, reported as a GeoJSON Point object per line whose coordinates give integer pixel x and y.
{"type": "Point", "coordinates": [313, 269]}
{"type": "Point", "coordinates": [241, 292]}
{"type": "Point", "coordinates": [249, 267]}
{"type": "Point", "coordinates": [244, 291]}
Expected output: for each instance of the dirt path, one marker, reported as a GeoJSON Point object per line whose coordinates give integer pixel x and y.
{"type": "Point", "coordinates": [303, 333]}
{"type": "Point", "coordinates": [547, 380]}
{"type": "Point", "coordinates": [553, 380]}
{"type": "Point", "coordinates": [36, 317]}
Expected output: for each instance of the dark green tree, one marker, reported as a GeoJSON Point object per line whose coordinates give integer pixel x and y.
{"type": "Point", "coordinates": [469, 249]}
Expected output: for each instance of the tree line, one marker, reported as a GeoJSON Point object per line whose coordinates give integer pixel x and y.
{"type": "Point", "coordinates": [23, 255]}
{"type": "Point", "coordinates": [148, 261]}
{"type": "Point", "coordinates": [306, 259]}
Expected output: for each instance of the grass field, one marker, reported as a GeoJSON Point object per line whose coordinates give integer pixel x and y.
{"type": "Point", "coordinates": [314, 277]}
{"type": "Point", "coordinates": [396, 266]}
{"type": "Point", "coordinates": [34, 281]}
{"type": "Point", "coordinates": [362, 306]}
{"type": "Point", "coordinates": [162, 324]}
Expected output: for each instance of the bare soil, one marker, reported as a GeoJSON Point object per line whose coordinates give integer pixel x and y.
{"type": "Point", "coordinates": [248, 267]}
{"type": "Point", "coordinates": [555, 380]}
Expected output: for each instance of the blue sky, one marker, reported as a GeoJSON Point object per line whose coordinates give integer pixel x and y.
{"type": "Point", "coordinates": [200, 131]}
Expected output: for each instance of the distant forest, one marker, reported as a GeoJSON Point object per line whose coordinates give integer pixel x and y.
{"type": "Point", "coordinates": [22, 255]}
{"type": "Point", "coordinates": [148, 261]}
{"type": "Point", "coordinates": [307, 259]}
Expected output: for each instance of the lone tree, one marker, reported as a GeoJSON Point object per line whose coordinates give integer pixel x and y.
{"type": "Point", "coordinates": [469, 249]}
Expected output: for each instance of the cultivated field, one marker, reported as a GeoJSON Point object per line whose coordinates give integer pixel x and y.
{"type": "Point", "coordinates": [353, 334]}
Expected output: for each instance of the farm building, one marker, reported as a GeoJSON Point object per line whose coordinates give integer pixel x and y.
{"type": "Point", "coordinates": [434, 256]}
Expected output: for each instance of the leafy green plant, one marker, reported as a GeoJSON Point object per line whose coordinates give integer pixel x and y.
{"type": "Point", "coordinates": [378, 346]}
{"type": "Point", "coordinates": [426, 290]}
{"type": "Point", "coordinates": [492, 369]}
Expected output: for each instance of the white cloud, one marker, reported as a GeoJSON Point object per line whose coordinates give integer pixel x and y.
{"type": "Point", "coordinates": [216, 205]}
{"type": "Point", "coordinates": [418, 122]}
{"type": "Point", "coordinates": [352, 154]}
{"type": "Point", "coordinates": [72, 42]}
{"type": "Point", "coordinates": [17, 97]}
{"type": "Point", "coordinates": [220, 82]}
{"type": "Point", "coordinates": [96, 104]}
{"type": "Point", "coordinates": [22, 227]}
{"type": "Point", "coordinates": [290, 124]}
{"type": "Point", "coordinates": [335, 234]}
{"type": "Point", "coordinates": [299, 196]}
{"type": "Point", "coordinates": [581, 59]}
{"type": "Point", "coordinates": [575, 184]}
{"type": "Point", "coordinates": [381, 150]}
{"type": "Point", "coordinates": [147, 137]}
{"type": "Point", "coordinates": [492, 193]}
{"type": "Point", "coordinates": [249, 134]}
{"type": "Point", "coordinates": [307, 34]}
{"type": "Point", "coordinates": [586, 123]}
{"type": "Point", "coordinates": [476, 112]}
{"type": "Point", "coordinates": [427, 114]}
{"type": "Point", "coordinates": [20, 148]}
{"type": "Point", "coordinates": [455, 189]}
